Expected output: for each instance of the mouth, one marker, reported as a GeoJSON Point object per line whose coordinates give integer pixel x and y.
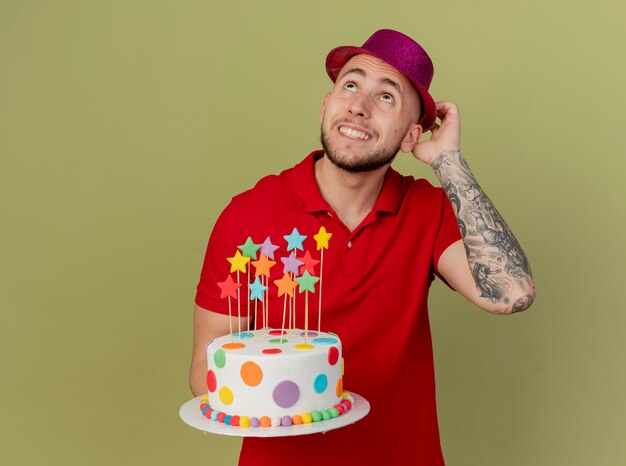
{"type": "Point", "coordinates": [353, 133]}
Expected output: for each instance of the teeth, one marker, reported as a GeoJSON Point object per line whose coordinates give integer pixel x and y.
{"type": "Point", "coordinates": [353, 133]}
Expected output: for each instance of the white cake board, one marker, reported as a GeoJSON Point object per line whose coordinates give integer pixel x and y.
{"type": "Point", "coordinates": [191, 414]}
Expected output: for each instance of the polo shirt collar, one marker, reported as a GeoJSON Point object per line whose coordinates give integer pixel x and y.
{"type": "Point", "coordinates": [307, 193]}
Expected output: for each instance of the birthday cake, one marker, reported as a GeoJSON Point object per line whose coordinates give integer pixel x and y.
{"type": "Point", "coordinates": [275, 377]}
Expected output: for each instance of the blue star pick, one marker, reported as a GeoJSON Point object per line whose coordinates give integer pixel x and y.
{"type": "Point", "coordinates": [257, 289]}
{"type": "Point", "coordinates": [294, 240]}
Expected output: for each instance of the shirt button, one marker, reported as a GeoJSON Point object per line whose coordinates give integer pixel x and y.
{"type": "Point", "coordinates": [349, 244]}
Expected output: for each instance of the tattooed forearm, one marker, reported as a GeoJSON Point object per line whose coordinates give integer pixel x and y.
{"type": "Point", "coordinates": [497, 262]}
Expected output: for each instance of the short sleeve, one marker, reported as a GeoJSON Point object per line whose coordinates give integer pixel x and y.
{"type": "Point", "coordinates": [448, 233]}
{"type": "Point", "coordinates": [215, 267]}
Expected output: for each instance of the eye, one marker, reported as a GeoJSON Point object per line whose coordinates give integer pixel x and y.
{"type": "Point", "coordinates": [387, 98]}
{"type": "Point", "coordinates": [350, 86]}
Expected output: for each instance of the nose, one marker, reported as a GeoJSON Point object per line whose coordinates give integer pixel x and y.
{"type": "Point", "coordinates": [359, 106]}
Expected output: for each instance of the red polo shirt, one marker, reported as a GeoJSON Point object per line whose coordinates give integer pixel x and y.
{"type": "Point", "coordinates": [375, 290]}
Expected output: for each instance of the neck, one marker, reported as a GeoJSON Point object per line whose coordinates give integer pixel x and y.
{"type": "Point", "coordinates": [351, 195]}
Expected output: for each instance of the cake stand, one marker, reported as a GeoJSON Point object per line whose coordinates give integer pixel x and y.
{"type": "Point", "coordinates": [190, 413]}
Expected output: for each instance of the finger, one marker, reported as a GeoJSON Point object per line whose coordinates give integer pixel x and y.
{"type": "Point", "coordinates": [441, 113]}
{"type": "Point", "coordinates": [444, 103]}
{"type": "Point", "coordinates": [443, 107]}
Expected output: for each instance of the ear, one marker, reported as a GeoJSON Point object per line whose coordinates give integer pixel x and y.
{"type": "Point", "coordinates": [326, 96]}
{"type": "Point", "coordinates": [412, 137]}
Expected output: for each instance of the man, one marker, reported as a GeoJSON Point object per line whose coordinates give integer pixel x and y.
{"type": "Point", "coordinates": [391, 235]}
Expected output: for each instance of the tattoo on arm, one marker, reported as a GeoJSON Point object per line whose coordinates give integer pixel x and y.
{"type": "Point", "coordinates": [497, 261]}
{"type": "Point", "coordinates": [523, 303]}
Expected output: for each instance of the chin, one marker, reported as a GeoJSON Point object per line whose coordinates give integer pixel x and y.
{"type": "Point", "coordinates": [357, 160]}
{"type": "Point", "coordinates": [362, 164]}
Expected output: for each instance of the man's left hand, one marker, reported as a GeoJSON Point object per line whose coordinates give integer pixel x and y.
{"type": "Point", "coordinates": [444, 137]}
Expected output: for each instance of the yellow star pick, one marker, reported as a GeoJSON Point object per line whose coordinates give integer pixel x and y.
{"type": "Point", "coordinates": [238, 262]}
{"type": "Point", "coordinates": [322, 238]}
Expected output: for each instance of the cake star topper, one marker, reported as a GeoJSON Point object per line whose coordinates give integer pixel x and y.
{"type": "Point", "coordinates": [291, 264]}
{"type": "Point", "coordinates": [285, 285]}
{"type": "Point", "coordinates": [307, 282]}
{"type": "Point", "coordinates": [238, 262]}
{"type": "Point", "coordinates": [322, 238]}
{"type": "Point", "coordinates": [257, 289]}
{"type": "Point", "coordinates": [309, 263]}
{"type": "Point", "coordinates": [294, 240]}
{"type": "Point", "coordinates": [229, 287]}
{"type": "Point", "coordinates": [263, 266]}
{"type": "Point", "coordinates": [249, 249]}
{"type": "Point", "coordinates": [268, 248]}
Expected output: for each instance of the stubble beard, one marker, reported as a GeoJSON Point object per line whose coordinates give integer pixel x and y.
{"type": "Point", "coordinates": [370, 162]}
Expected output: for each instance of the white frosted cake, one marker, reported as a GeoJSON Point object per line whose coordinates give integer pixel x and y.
{"type": "Point", "coordinates": [275, 378]}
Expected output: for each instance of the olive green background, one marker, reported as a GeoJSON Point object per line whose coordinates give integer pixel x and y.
{"type": "Point", "coordinates": [126, 126]}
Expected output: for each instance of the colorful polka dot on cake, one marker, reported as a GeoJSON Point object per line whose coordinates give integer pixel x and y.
{"type": "Point", "coordinates": [286, 394]}
{"type": "Point", "coordinates": [303, 347]}
{"type": "Point", "coordinates": [226, 395]}
{"type": "Point", "coordinates": [320, 383]}
{"type": "Point", "coordinates": [278, 340]}
{"type": "Point", "coordinates": [220, 358]}
{"type": "Point", "coordinates": [339, 387]}
{"type": "Point", "coordinates": [233, 346]}
{"type": "Point", "coordinates": [333, 355]}
{"type": "Point", "coordinates": [251, 373]}
{"type": "Point", "coordinates": [211, 381]}
{"type": "Point", "coordinates": [325, 340]}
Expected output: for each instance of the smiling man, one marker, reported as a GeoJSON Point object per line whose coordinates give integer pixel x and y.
{"type": "Point", "coordinates": [391, 235]}
{"type": "Point", "coordinates": [379, 125]}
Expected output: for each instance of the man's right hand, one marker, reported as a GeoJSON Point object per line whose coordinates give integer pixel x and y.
{"type": "Point", "coordinates": [207, 326]}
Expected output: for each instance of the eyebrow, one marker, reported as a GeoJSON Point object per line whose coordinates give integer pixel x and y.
{"type": "Point", "coordinates": [362, 73]}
